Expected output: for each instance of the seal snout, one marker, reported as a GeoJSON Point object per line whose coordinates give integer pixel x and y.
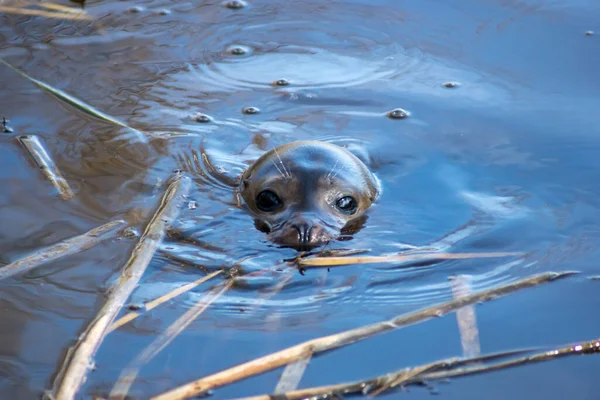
{"type": "Point", "coordinates": [301, 234]}
{"type": "Point", "coordinates": [304, 232]}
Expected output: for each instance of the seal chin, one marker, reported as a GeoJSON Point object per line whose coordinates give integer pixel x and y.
{"type": "Point", "coordinates": [301, 235]}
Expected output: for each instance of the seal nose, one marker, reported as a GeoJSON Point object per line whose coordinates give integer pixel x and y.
{"type": "Point", "coordinates": [304, 233]}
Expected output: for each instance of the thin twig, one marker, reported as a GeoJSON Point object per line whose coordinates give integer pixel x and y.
{"type": "Point", "coordinates": [412, 375]}
{"type": "Point", "coordinates": [336, 261]}
{"type": "Point", "coordinates": [44, 162]}
{"type": "Point", "coordinates": [48, 14]}
{"type": "Point", "coordinates": [125, 319]}
{"type": "Point", "coordinates": [587, 347]}
{"type": "Point", "coordinates": [65, 248]}
{"type": "Point", "coordinates": [294, 353]}
{"type": "Point", "coordinates": [129, 374]}
{"type": "Point", "coordinates": [79, 358]}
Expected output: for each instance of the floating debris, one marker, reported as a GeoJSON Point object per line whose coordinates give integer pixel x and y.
{"type": "Point", "coordinates": [192, 205]}
{"type": "Point", "coordinates": [451, 85]}
{"type": "Point", "coordinates": [45, 163]}
{"type": "Point", "coordinates": [74, 370]}
{"type": "Point", "coordinates": [331, 342]}
{"type": "Point", "coordinates": [281, 82]}
{"type": "Point", "coordinates": [5, 127]}
{"type": "Point", "coordinates": [62, 249]}
{"type": "Point", "coordinates": [235, 4]}
{"type": "Point", "coordinates": [438, 371]}
{"type": "Point", "coordinates": [76, 102]}
{"type": "Point", "coordinates": [398, 113]}
{"type": "Point", "coordinates": [131, 233]}
{"type": "Point", "coordinates": [238, 50]}
{"type": "Point", "coordinates": [130, 373]}
{"type": "Point", "coordinates": [250, 110]}
{"type": "Point", "coordinates": [162, 299]}
{"type": "Point", "coordinates": [63, 13]}
{"type": "Point", "coordinates": [397, 258]}
{"type": "Point", "coordinates": [202, 118]}
{"type": "Point", "coordinates": [135, 10]}
{"type": "Point", "coordinates": [589, 33]}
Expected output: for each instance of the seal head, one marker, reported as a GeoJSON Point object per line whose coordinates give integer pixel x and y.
{"type": "Point", "coordinates": [304, 194]}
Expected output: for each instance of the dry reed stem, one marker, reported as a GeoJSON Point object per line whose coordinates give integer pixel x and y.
{"type": "Point", "coordinates": [44, 162]}
{"type": "Point", "coordinates": [60, 7]}
{"type": "Point", "coordinates": [405, 376]}
{"type": "Point", "coordinates": [129, 374]}
{"type": "Point", "coordinates": [125, 319]}
{"type": "Point", "coordinates": [79, 358]}
{"type": "Point", "coordinates": [75, 102]}
{"type": "Point", "coordinates": [337, 261]}
{"type": "Point", "coordinates": [48, 14]}
{"type": "Point", "coordinates": [65, 248]}
{"type": "Point", "coordinates": [294, 353]}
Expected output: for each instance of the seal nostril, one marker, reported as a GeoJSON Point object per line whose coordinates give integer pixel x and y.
{"type": "Point", "coordinates": [304, 232]}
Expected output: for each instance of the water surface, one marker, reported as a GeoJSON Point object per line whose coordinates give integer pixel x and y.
{"type": "Point", "coordinates": [505, 161]}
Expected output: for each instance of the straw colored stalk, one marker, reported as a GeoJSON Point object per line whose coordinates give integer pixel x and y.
{"type": "Point", "coordinates": [60, 7]}
{"type": "Point", "coordinates": [337, 261]}
{"type": "Point", "coordinates": [129, 374]}
{"type": "Point", "coordinates": [423, 373]}
{"type": "Point", "coordinates": [75, 102]}
{"type": "Point", "coordinates": [48, 14]}
{"type": "Point", "coordinates": [79, 358]}
{"type": "Point", "coordinates": [125, 319]}
{"type": "Point", "coordinates": [318, 345]}
{"type": "Point", "coordinates": [44, 162]}
{"type": "Point", "coordinates": [62, 249]}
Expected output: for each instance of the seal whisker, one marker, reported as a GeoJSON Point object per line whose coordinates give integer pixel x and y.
{"type": "Point", "coordinates": [338, 171]}
{"type": "Point", "coordinates": [332, 168]}
{"type": "Point", "coordinates": [288, 173]}
{"type": "Point", "coordinates": [278, 169]}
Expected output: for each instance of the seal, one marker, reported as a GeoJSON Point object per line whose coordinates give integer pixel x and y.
{"type": "Point", "coordinates": [304, 194]}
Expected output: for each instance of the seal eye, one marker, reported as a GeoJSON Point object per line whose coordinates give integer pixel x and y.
{"type": "Point", "coordinates": [267, 201]}
{"type": "Point", "coordinates": [347, 205]}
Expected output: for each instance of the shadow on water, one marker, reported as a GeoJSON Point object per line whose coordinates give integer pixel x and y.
{"type": "Point", "coordinates": [504, 160]}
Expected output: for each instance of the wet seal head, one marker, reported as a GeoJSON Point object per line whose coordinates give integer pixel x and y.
{"type": "Point", "coordinates": [304, 194]}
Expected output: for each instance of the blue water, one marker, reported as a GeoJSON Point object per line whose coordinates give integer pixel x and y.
{"type": "Point", "coordinates": [507, 161]}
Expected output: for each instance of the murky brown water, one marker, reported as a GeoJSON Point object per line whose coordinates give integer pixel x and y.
{"type": "Point", "coordinates": [508, 158]}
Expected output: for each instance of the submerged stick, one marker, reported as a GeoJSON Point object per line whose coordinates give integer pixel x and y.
{"type": "Point", "coordinates": [62, 249]}
{"type": "Point", "coordinates": [44, 162]}
{"type": "Point", "coordinates": [466, 319]}
{"type": "Point", "coordinates": [374, 386]}
{"type": "Point", "coordinates": [49, 14]}
{"type": "Point", "coordinates": [125, 319]}
{"type": "Point", "coordinates": [294, 353]}
{"type": "Point", "coordinates": [292, 374]}
{"type": "Point", "coordinates": [127, 377]}
{"type": "Point", "coordinates": [79, 358]}
{"type": "Point", "coordinates": [336, 261]}
{"type": "Point", "coordinates": [80, 105]}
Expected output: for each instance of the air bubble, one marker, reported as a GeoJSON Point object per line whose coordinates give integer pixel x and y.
{"type": "Point", "coordinates": [398, 113]}
{"type": "Point", "coordinates": [250, 110]}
